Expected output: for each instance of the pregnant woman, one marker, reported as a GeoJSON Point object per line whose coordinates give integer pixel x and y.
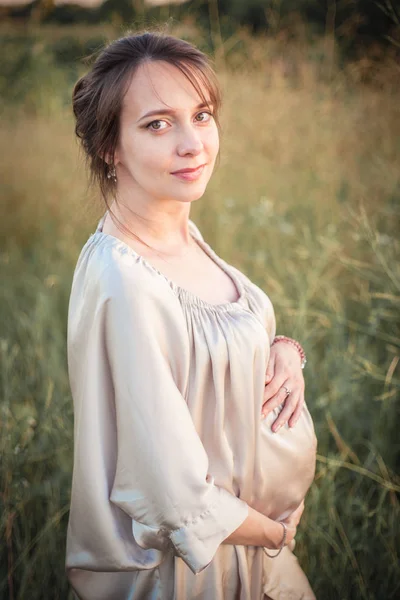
{"type": "Point", "coordinates": [190, 472]}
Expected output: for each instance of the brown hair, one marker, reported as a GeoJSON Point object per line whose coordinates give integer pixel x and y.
{"type": "Point", "coordinates": [97, 96]}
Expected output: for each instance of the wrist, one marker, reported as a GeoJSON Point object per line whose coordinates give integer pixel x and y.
{"type": "Point", "coordinates": [273, 532]}
{"type": "Point", "coordinates": [283, 338]}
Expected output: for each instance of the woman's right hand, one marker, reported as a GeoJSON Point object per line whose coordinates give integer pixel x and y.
{"type": "Point", "coordinates": [259, 530]}
{"type": "Point", "coordinates": [292, 522]}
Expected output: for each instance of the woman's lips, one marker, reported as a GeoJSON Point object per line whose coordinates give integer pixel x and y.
{"type": "Point", "coordinates": [189, 175]}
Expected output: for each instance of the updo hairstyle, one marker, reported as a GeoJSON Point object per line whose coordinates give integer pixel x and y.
{"type": "Point", "coordinates": [97, 96]}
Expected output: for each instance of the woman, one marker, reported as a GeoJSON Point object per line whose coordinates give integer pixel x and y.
{"type": "Point", "coordinates": [188, 479]}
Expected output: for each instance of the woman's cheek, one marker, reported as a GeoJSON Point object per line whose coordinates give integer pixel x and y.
{"type": "Point", "coordinates": [211, 141]}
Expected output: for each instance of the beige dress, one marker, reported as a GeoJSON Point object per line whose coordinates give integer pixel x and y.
{"type": "Point", "coordinates": [169, 446]}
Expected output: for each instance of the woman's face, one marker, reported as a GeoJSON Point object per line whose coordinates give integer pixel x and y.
{"type": "Point", "coordinates": [180, 133]}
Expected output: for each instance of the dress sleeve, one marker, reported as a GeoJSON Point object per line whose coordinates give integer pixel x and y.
{"type": "Point", "coordinates": [160, 477]}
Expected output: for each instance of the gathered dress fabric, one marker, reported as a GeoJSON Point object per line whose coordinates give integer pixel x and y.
{"type": "Point", "coordinates": [169, 446]}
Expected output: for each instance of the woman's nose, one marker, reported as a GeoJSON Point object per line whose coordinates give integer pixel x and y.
{"type": "Point", "coordinates": [190, 142]}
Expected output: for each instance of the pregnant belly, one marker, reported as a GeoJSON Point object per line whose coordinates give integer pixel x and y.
{"type": "Point", "coordinates": [285, 465]}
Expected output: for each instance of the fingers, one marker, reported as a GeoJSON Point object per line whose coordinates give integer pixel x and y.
{"type": "Point", "coordinates": [275, 385]}
{"type": "Point", "coordinates": [273, 402]}
{"type": "Point", "coordinates": [295, 517]}
{"type": "Point", "coordinates": [298, 513]}
{"type": "Point", "coordinates": [291, 402]}
{"type": "Point", "coordinates": [292, 522]}
{"type": "Point", "coordinates": [288, 410]}
{"type": "Point", "coordinates": [269, 374]}
{"type": "Point", "coordinates": [275, 394]}
{"type": "Point", "coordinates": [290, 534]}
{"type": "Point", "coordinates": [297, 411]}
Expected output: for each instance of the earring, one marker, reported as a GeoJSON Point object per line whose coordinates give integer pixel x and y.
{"type": "Point", "coordinates": [112, 174]}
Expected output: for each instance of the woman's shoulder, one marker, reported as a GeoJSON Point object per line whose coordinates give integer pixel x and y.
{"type": "Point", "coordinates": [106, 261]}
{"type": "Point", "coordinates": [107, 267]}
{"type": "Point", "coordinates": [114, 296]}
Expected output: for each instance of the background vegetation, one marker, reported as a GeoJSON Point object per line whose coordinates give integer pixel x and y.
{"type": "Point", "coordinates": [305, 201]}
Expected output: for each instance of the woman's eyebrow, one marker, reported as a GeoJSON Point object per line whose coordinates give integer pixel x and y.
{"type": "Point", "coordinates": [170, 111]}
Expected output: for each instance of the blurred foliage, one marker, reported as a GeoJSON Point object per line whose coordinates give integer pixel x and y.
{"type": "Point", "coordinates": [357, 25]}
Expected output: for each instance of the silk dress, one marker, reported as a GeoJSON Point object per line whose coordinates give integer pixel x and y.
{"type": "Point", "coordinates": [169, 447]}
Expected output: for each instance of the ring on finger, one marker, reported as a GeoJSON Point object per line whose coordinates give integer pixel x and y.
{"type": "Point", "coordinates": [287, 390]}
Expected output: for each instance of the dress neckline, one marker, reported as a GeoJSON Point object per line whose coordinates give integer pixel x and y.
{"type": "Point", "coordinates": [185, 295]}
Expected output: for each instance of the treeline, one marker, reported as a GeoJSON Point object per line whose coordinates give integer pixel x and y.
{"type": "Point", "coordinates": [357, 25]}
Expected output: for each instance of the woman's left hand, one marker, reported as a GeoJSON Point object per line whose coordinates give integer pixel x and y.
{"type": "Point", "coordinates": [284, 371]}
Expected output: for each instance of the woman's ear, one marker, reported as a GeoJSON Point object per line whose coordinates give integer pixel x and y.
{"type": "Point", "coordinates": [109, 160]}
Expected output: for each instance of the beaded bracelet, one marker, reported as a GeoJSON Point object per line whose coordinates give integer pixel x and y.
{"type": "Point", "coordinates": [295, 343]}
{"type": "Point", "coordinates": [282, 542]}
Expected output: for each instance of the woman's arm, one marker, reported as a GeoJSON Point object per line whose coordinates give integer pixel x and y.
{"type": "Point", "coordinates": [259, 530]}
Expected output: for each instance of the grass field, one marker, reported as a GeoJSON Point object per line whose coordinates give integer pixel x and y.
{"type": "Point", "coordinates": [306, 202]}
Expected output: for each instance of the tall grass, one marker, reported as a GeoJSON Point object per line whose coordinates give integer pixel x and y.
{"type": "Point", "coordinates": [306, 202]}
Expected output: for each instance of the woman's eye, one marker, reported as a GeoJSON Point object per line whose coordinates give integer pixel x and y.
{"type": "Point", "coordinates": [155, 125]}
{"type": "Point", "coordinates": [208, 116]}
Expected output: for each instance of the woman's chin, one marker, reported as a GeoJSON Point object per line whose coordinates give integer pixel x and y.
{"type": "Point", "coordinates": [190, 195]}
